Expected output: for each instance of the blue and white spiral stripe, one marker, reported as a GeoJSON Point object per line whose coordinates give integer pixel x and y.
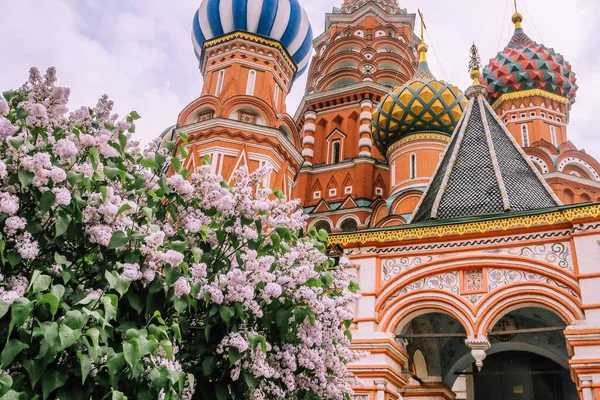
{"type": "Point", "coordinates": [281, 20]}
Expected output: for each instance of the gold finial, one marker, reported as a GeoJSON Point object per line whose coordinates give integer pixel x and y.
{"type": "Point", "coordinates": [517, 17]}
{"type": "Point", "coordinates": [422, 48]}
{"type": "Point", "coordinates": [475, 65]}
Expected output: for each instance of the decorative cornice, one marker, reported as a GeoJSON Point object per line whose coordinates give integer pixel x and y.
{"type": "Point", "coordinates": [419, 136]}
{"type": "Point", "coordinates": [256, 39]}
{"type": "Point", "coordinates": [529, 93]}
{"type": "Point", "coordinates": [499, 224]}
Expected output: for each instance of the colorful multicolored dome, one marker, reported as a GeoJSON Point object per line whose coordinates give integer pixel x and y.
{"type": "Point", "coordinates": [284, 21]}
{"type": "Point", "coordinates": [423, 104]}
{"type": "Point", "coordinates": [527, 65]}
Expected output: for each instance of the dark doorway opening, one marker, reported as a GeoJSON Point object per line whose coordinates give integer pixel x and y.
{"type": "Point", "coordinates": [517, 375]}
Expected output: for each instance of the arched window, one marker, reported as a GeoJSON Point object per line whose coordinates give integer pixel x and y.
{"type": "Point", "coordinates": [323, 225]}
{"type": "Point", "coordinates": [335, 152]}
{"type": "Point", "coordinates": [525, 135]}
{"type": "Point", "coordinates": [220, 79]}
{"type": "Point", "coordinates": [251, 82]}
{"type": "Point", "coordinates": [553, 135]}
{"type": "Point", "coordinates": [413, 166]}
{"type": "Point", "coordinates": [349, 225]}
{"type": "Point", "coordinates": [394, 173]}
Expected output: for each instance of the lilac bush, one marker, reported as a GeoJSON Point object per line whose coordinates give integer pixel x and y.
{"type": "Point", "coordinates": [121, 281]}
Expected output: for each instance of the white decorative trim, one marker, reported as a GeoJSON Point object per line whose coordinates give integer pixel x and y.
{"type": "Point", "coordinates": [310, 115]}
{"type": "Point", "coordinates": [365, 142]}
{"type": "Point", "coordinates": [366, 103]}
{"type": "Point", "coordinates": [310, 127]}
{"type": "Point", "coordinates": [228, 123]}
{"type": "Point", "coordinates": [364, 129]}
{"type": "Point", "coordinates": [308, 140]}
{"type": "Point", "coordinates": [308, 153]}
{"type": "Point", "coordinates": [366, 115]}
{"type": "Point", "coordinates": [364, 154]}
{"type": "Point", "coordinates": [580, 162]}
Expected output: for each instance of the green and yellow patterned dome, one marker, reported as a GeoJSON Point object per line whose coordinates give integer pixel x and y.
{"type": "Point", "coordinates": [422, 104]}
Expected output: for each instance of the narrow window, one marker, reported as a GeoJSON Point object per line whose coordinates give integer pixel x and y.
{"type": "Point", "coordinates": [335, 152]}
{"type": "Point", "coordinates": [276, 96]}
{"type": "Point", "coordinates": [394, 173]}
{"type": "Point", "coordinates": [251, 82]}
{"type": "Point", "coordinates": [525, 135]}
{"type": "Point", "coordinates": [220, 79]}
{"type": "Point", "coordinates": [413, 166]}
{"type": "Point", "coordinates": [553, 135]}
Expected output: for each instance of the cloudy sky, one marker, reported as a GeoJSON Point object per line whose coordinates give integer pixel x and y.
{"type": "Point", "coordinates": [139, 52]}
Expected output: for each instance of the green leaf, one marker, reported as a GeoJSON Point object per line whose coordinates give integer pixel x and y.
{"type": "Point", "coordinates": [226, 313]}
{"type": "Point", "coordinates": [13, 258]}
{"type": "Point", "coordinates": [17, 143]}
{"type": "Point", "coordinates": [322, 235]}
{"type": "Point", "coordinates": [75, 177]}
{"type": "Point", "coordinates": [222, 392]}
{"type": "Point", "coordinates": [67, 336]}
{"type": "Point", "coordinates": [176, 332]}
{"type": "Point", "coordinates": [5, 383]}
{"type": "Point", "coordinates": [117, 282]}
{"type": "Point", "coordinates": [111, 172]}
{"type": "Point", "coordinates": [135, 300]}
{"type": "Point", "coordinates": [35, 369]}
{"type": "Point", "coordinates": [94, 157]}
{"type": "Point", "coordinates": [180, 305]}
{"type": "Point", "coordinates": [61, 260]}
{"type": "Point", "coordinates": [183, 151]}
{"type": "Point", "coordinates": [131, 353]}
{"type": "Point", "coordinates": [147, 211]}
{"type": "Point", "coordinates": [75, 319]}
{"type": "Point", "coordinates": [251, 380]}
{"type": "Point", "coordinates": [62, 223]}
{"type": "Point", "coordinates": [46, 201]}
{"type": "Point", "coordinates": [197, 253]}
{"type": "Point", "coordinates": [116, 395]}
{"type": "Point", "coordinates": [204, 231]}
{"type": "Point", "coordinates": [86, 366]}
{"type": "Point", "coordinates": [184, 137]}
{"type": "Point", "coordinates": [4, 307]}
{"type": "Point", "coordinates": [135, 115]}
{"type": "Point", "coordinates": [256, 339]}
{"type": "Point", "coordinates": [167, 347]}
{"type": "Point", "coordinates": [124, 207]}
{"type": "Point", "coordinates": [115, 362]}
{"type": "Point", "coordinates": [208, 365]}
{"type": "Point", "coordinates": [20, 310]}
{"type": "Point", "coordinates": [118, 239]}
{"type": "Point", "coordinates": [52, 380]}
{"type": "Point", "coordinates": [52, 301]}
{"type": "Point", "coordinates": [40, 283]}
{"type": "Point", "coordinates": [11, 350]}
{"type": "Point", "coordinates": [25, 177]}
{"type": "Point", "coordinates": [348, 334]}
{"type": "Point", "coordinates": [148, 163]}
{"type": "Point", "coordinates": [176, 164]}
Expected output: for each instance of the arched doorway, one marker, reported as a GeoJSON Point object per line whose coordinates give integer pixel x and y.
{"type": "Point", "coordinates": [528, 360]}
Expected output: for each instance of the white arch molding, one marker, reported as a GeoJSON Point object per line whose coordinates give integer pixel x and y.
{"type": "Point", "coordinates": [350, 216]}
{"type": "Point", "coordinates": [468, 359]}
{"type": "Point", "coordinates": [579, 162]}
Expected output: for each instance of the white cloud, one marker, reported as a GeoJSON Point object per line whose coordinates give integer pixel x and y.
{"type": "Point", "coordinates": [139, 51]}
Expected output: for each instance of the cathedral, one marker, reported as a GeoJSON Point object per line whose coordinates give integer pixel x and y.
{"type": "Point", "coordinates": [471, 221]}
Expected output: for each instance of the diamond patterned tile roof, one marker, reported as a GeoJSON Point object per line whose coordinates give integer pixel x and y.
{"type": "Point", "coordinates": [422, 104]}
{"type": "Point", "coordinates": [527, 65]}
{"type": "Point", "coordinates": [483, 171]}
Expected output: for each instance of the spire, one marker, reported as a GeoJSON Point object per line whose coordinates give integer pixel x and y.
{"type": "Point", "coordinates": [483, 171]}
{"type": "Point", "coordinates": [423, 71]}
{"type": "Point", "coordinates": [475, 65]}
{"type": "Point", "coordinates": [517, 17]}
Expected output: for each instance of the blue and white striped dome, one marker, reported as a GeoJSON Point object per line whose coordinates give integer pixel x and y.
{"type": "Point", "coordinates": [282, 20]}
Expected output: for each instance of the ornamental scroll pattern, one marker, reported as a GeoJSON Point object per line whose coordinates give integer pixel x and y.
{"type": "Point", "coordinates": [497, 278]}
{"type": "Point", "coordinates": [557, 254]}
